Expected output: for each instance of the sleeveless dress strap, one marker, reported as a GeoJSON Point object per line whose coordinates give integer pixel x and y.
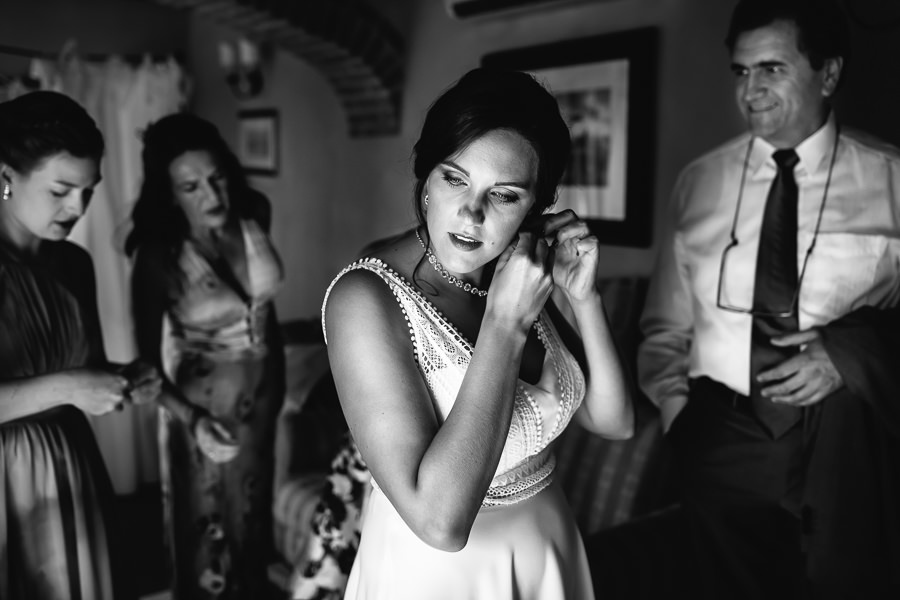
{"type": "Point", "coordinates": [541, 410]}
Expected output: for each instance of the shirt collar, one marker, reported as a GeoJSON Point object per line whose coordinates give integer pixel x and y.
{"type": "Point", "coordinates": [814, 152]}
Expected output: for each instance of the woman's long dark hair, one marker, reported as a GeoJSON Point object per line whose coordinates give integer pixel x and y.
{"type": "Point", "coordinates": [156, 216]}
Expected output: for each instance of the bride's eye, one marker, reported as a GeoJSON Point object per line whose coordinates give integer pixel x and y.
{"type": "Point", "coordinates": [452, 181]}
{"type": "Point", "coordinates": [505, 196]}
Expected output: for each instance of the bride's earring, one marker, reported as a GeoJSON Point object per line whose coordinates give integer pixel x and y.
{"type": "Point", "coordinates": [6, 192]}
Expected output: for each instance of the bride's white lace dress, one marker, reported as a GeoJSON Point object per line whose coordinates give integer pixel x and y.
{"type": "Point", "coordinates": [524, 544]}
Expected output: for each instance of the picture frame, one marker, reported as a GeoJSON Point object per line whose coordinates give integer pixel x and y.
{"type": "Point", "coordinates": [257, 141]}
{"type": "Point", "coordinates": [606, 88]}
{"type": "Point", "coordinates": [464, 9]}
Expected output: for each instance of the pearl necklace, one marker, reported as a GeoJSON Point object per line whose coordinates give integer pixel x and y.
{"type": "Point", "coordinates": [468, 287]}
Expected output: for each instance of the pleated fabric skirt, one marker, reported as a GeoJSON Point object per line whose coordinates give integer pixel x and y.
{"type": "Point", "coordinates": [54, 509]}
{"type": "Point", "coordinates": [527, 551]}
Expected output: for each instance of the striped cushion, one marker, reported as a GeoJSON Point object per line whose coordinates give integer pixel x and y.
{"type": "Point", "coordinates": [606, 481]}
{"type": "Point", "coordinates": [602, 478]}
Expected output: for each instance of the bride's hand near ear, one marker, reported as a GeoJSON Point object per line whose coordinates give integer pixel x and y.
{"type": "Point", "coordinates": [522, 282]}
{"type": "Point", "coordinates": [576, 254]}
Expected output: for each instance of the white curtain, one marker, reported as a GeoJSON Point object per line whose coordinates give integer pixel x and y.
{"type": "Point", "coordinates": [123, 99]}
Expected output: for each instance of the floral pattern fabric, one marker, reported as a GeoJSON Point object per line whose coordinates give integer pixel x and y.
{"type": "Point", "coordinates": [336, 526]}
{"type": "Point", "coordinates": [217, 352]}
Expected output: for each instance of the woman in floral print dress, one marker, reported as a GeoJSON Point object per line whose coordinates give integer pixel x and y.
{"type": "Point", "coordinates": [206, 272]}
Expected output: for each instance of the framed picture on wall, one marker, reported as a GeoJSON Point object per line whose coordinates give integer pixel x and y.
{"type": "Point", "coordinates": [606, 89]}
{"type": "Point", "coordinates": [464, 9]}
{"type": "Point", "coordinates": [257, 141]}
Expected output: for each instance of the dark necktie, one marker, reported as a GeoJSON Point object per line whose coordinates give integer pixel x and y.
{"type": "Point", "coordinates": [773, 292]}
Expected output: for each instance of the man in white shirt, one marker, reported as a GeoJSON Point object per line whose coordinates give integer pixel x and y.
{"type": "Point", "coordinates": [777, 385]}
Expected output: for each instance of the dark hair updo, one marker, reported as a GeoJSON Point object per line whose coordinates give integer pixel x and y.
{"type": "Point", "coordinates": [484, 100]}
{"type": "Point", "coordinates": [38, 125]}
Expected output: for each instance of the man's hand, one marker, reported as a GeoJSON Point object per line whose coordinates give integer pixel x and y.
{"type": "Point", "coordinates": [804, 379]}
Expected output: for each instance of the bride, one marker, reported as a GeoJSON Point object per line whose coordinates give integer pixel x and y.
{"type": "Point", "coordinates": [456, 370]}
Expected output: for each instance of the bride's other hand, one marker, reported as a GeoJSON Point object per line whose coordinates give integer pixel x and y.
{"type": "Point", "coordinates": [575, 255]}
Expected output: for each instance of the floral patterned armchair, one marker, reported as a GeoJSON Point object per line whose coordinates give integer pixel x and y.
{"type": "Point", "coordinates": [320, 480]}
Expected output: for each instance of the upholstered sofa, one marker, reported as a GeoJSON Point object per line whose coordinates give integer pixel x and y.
{"type": "Point", "coordinates": [608, 483]}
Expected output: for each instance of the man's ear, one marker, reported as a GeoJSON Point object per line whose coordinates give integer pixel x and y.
{"type": "Point", "coordinates": [831, 75]}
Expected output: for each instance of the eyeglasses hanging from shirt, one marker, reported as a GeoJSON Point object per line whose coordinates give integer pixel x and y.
{"type": "Point", "coordinates": [726, 274]}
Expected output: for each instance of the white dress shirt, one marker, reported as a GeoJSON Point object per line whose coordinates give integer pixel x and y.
{"type": "Point", "coordinates": [855, 261]}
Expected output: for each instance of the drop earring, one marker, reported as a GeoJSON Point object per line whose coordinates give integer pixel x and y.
{"type": "Point", "coordinates": [6, 192]}
{"type": "Point", "coordinates": [426, 199]}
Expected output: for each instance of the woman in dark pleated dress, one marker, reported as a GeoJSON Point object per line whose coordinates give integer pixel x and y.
{"type": "Point", "coordinates": [56, 500]}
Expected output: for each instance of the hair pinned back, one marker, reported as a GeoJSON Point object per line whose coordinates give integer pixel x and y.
{"type": "Point", "coordinates": [487, 99]}
{"type": "Point", "coordinates": [38, 125]}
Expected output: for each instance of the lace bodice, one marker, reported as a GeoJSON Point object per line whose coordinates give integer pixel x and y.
{"type": "Point", "coordinates": [541, 410]}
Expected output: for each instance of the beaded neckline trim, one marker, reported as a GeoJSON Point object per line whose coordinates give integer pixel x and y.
{"type": "Point", "coordinates": [528, 477]}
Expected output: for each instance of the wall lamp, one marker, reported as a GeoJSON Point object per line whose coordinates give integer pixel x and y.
{"type": "Point", "coordinates": [240, 60]}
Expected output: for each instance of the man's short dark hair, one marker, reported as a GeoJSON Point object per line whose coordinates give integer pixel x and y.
{"type": "Point", "coordinates": [822, 30]}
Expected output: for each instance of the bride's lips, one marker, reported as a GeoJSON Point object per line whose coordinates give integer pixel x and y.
{"type": "Point", "coordinates": [464, 242]}
{"type": "Point", "coordinates": [66, 225]}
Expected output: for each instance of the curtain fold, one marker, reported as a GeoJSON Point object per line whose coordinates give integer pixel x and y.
{"type": "Point", "coordinates": [123, 99]}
